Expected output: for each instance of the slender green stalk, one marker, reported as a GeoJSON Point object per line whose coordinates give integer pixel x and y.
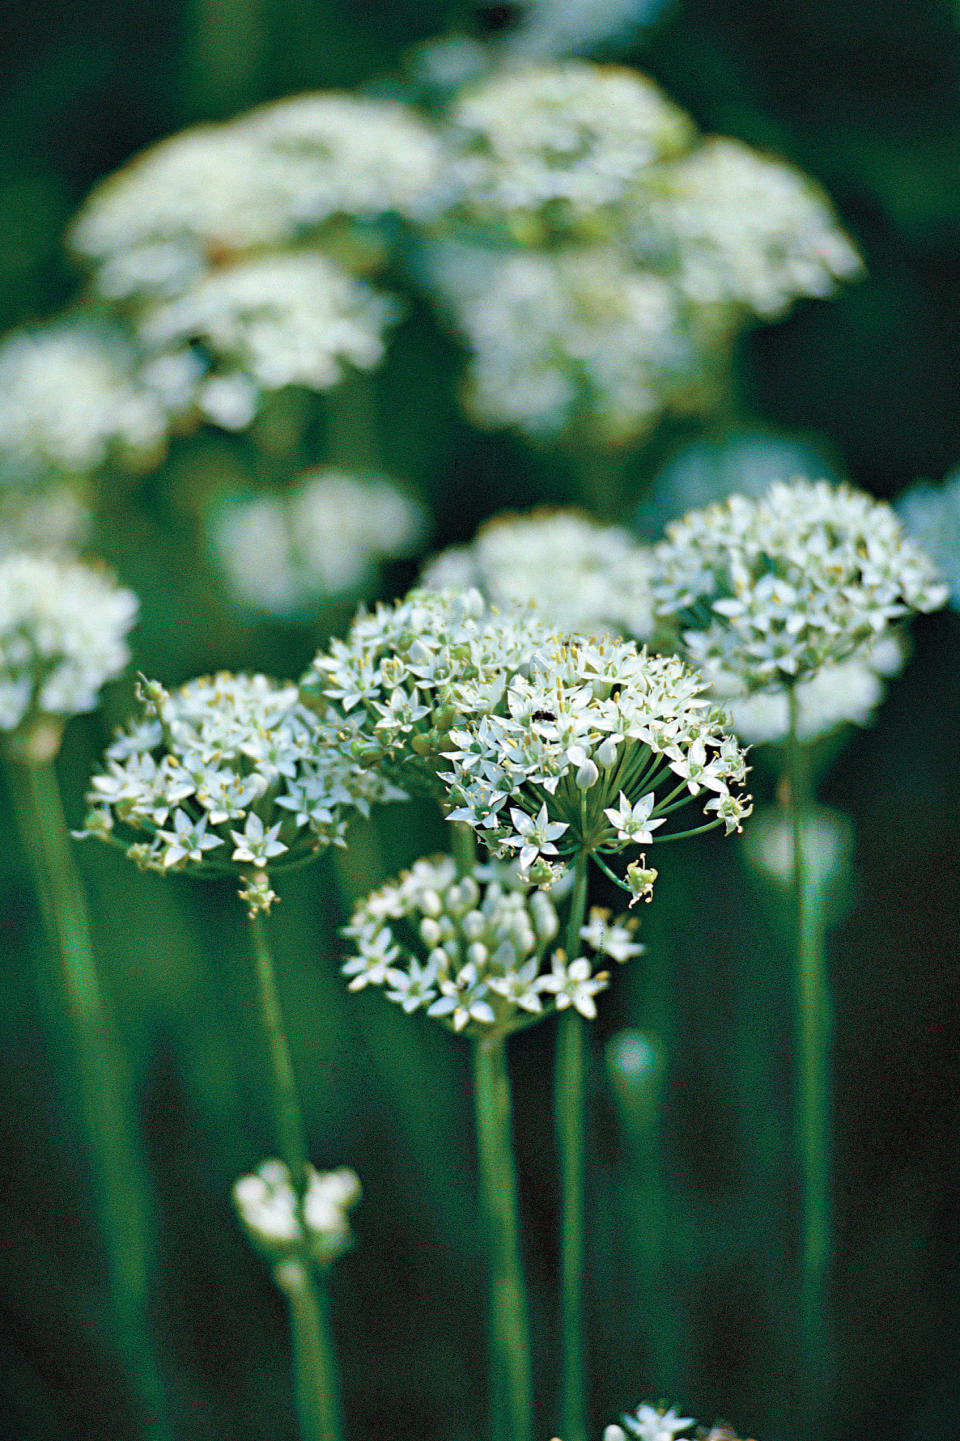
{"type": "Point", "coordinates": [813, 1086]}
{"type": "Point", "coordinates": [512, 1384]}
{"type": "Point", "coordinates": [314, 1366]}
{"type": "Point", "coordinates": [569, 1112]}
{"type": "Point", "coordinates": [316, 1384]}
{"type": "Point", "coordinates": [464, 847]}
{"type": "Point", "coordinates": [121, 1185]}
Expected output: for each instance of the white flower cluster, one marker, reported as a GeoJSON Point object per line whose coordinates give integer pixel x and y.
{"type": "Point", "coordinates": [742, 229]}
{"type": "Point", "coordinates": [573, 341]}
{"type": "Point", "coordinates": [584, 578]}
{"type": "Point", "coordinates": [407, 673]}
{"type": "Point", "coordinates": [598, 746]}
{"type": "Point", "coordinates": [557, 150]}
{"type": "Point", "coordinates": [71, 397]}
{"type": "Point", "coordinates": [476, 952]}
{"type": "Point", "coordinates": [931, 516]}
{"type": "Point", "coordinates": [63, 628]}
{"type": "Point", "coordinates": [598, 258]}
{"type": "Point", "coordinates": [265, 180]}
{"type": "Point", "coordinates": [228, 775]}
{"type": "Point", "coordinates": [267, 1206]}
{"type": "Point", "coordinates": [653, 1423]}
{"type": "Point", "coordinates": [762, 593]}
{"type": "Point", "coordinates": [285, 554]}
{"type": "Point", "coordinates": [267, 322]}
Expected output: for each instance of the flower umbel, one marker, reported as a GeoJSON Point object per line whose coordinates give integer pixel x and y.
{"type": "Point", "coordinates": [229, 775]}
{"type": "Point", "coordinates": [477, 953]}
{"type": "Point", "coordinates": [598, 746]}
{"type": "Point", "coordinates": [63, 628]}
{"type": "Point", "coordinates": [762, 594]}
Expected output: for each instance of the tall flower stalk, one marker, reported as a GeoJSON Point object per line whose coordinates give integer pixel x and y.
{"type": "Point", "coordinates": [512, 1378]}
{"type": "Point", "coordinates": [315, 1372]}
{"type": "Point", "coordinates": [62, 635]}
{"type": "Point", "coordinates": [813, 1028]}
{"type": "Point", "coordinates": [569, 1110]}
{"type": "Point", "coordinates": [782, 598]}
{"type": "Point", "coordinates": [231, 776]}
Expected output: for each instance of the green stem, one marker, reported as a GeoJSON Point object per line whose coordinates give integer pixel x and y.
{"type": "Point", "coordinates": [121, 1185]}
{"type": "Point", "coordinates": [314, 1366]}
{"type": "Point", "coordinates": [512, 1385]}
{"type": "Point", "coordinates": [464, 848]}
{"type": "Point", "coordinates": [569, 1111]}
{"type": "Point", "coordinates": [813, 1084]}
{"type": "Point", "coordinates": [316, 1384]}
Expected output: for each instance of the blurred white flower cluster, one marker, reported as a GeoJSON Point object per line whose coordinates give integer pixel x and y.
{"type": "Point", "coordinates": [557, 151]}
{"type": "Point", "coordinates": [228, 775]}
{"type": "Point", "coordinates": [263, 181]}
{"type": "Point", "coordinates": [327, 537]}
{"type": "Point", "coordinates": [63, 629]}
{"type": "Point", "coordinates": [476, 952]}
{"type": "Point", "coordinates": [570, 186]}
{"type": "Point", "coordinates": [72, 395]}
{"type": "Point", "coordinates": [267, 1206]}
{"type": "Point", "coordinates": [584, 578]}
{"type": "Point", "coordinates": [576, 341]}
{"type": "Point", "coordinates": [761, 593]}
{"type": "Point", "coordinates": [261, 324]}
{"type": "Point", "coordinates": [595, 749]}
{"type": "Point", "coordinates": [931, 517]}
{"type": "Point", "coordinates": [407, 673]}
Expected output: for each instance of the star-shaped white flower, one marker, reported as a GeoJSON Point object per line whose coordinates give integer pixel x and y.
{"type": "Point", "coordinates": [535, 835]}
{"type": "Point", "coordinates": [256, 844]}
{"type": "Point", "coordinates": [633, 822]}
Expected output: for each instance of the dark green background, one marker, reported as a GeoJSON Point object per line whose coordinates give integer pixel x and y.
{"type": "Point", "coordinates": [867, 99]}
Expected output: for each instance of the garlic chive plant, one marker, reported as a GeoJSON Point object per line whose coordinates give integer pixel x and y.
{"type": "Point", "coordinates": [300, 1241]}
{"type": "Point", "coordinates": [231, 776]}
{"type": "Point", "coordinates": [478, 952]}
{"type": "Point", "coordinates": [589, 757]}
{"type": "Point", "coordinates": [63, 635]}
{"type": "Point", "coordinates": [764, 596]}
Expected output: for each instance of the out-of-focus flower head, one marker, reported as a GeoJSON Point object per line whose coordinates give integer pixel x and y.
{"type": "Point", "coordinates": [931, 516]}
{"type": "Point", "coordinates": [477, 952]}
{"type": "Point", "coordinates": [72, 396]}
{"type": "Point", "coordinates": [267, 1206]}
{"type": "Point", "coordinates": [268, 322]}
{"type": "Point", "coordinates": [741, 229]}
{"type": "Point", "coordinates": [218, 192]}
{"type": "Point", "coordinates": [569, 342]}
{"type": "Point", "coordinates": [761, 593]}
{"type": "Point", "coordinates": [63, 630]}
{"type": "Point", "coordinates": [287, 554]}
{"type": "Point", "coordinates": [556, 150]}
{"type": "Point", "coordinates": [584, 578]}
{"type": "Point", "coordinates": [406, 673]}
{"type": "Point", "coordinates": [228, 775]}
{"type": "Point", "coordinates": [595, 750]}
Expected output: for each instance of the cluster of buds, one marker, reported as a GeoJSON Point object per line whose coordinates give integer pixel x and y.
{"type": "Point", "coordinates": [282, 1228]}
